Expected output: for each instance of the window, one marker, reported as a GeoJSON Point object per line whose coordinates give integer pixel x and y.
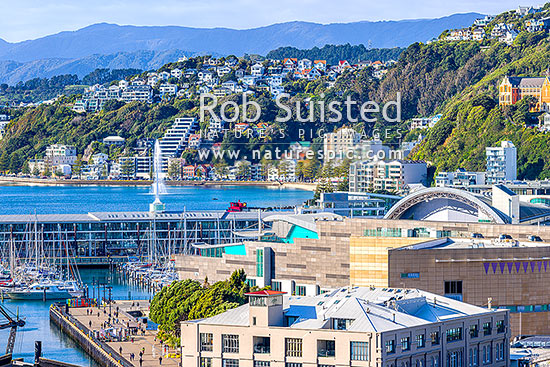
{"type": "Point", "coordinates": [206, 342]}
{"type": "Point", "coordinates": [341, 324]}
{"type": "Point", "coordinates": [326, 348]}
{"type": "Point", "coordinates": [487, 328]}
{"type": "Point", "coordinates": [454, 334]}
{"type": "Point", "coordinates": [390, 346]}
{"type": "Point", "coordinates": [230, 362]}
{"type": "Point", "coordinates": [261, 363]}
{"type": "Point", "coordinates": [276, 286]}
{"type": "Point", "coordinates": [230, 343]}
{"type": "Point", "coordinates": [262, 344]}
{"type": "Point", "coordinates": [293, 347]}
{"type": "Point", "coordinates": [259, 262]}
{"type": "Point", "coordinates": [359, 351]}
{"type": "Point", "coordinates": [474, 331]}
{"type": "Point", "coordinates": [472, 357]}
{"type": "Point", "coordinates": [293, 364]}
{"type": "Point", "coordinates": [487, 354]}
{"type": "Point", "coordinates": [453, 289]}
{"type": "Point", "coordinates": [300, 290]}
{"type": "Point", "coordinates": [500, 326]}
{"type": "Point", "coordinates": [434, 361]}
{"type": "Point", "coordinates": [420, 341]}
{"type": "Point", "coordinates": [434, 336]}
{"type": "Point", "coordinates": [405, 343]}
{"type": "Point", "coordinates": [206, 362]}
{"type": "Point", "coordinates": [501, 352]}
{"type": "Point", "coordinates": [454, 359]}
{"type": "Point", "coordinates": [251, 282]}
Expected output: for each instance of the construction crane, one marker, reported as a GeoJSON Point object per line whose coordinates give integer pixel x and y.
{"type": "Point", "coordinates": [13, 324]}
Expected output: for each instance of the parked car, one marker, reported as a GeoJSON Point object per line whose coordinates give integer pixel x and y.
{"type": "Point", "coordinates": [533, 238]}
{"type": "Point", "coordinates": [503, 237]}
{"type": "Point", "coordinates": [476, 235]}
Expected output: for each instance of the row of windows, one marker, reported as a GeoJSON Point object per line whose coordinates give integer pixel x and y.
{"type": "Point", "coordinates": [359, 351]}
{"type": "Point", "coordinates": [406, 344]}
{"type": "Point", "coordinates": [431, 362]}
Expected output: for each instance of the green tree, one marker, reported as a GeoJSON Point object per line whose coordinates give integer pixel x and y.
{"type": "Point", "coordinates": [174, 170]}
{"type": "Point", "coordinates": [25, 169]}
{"type": "Point", "coordinates": [15, 163]}
{"type": "Point", "coordinates": [189, 300]}
{"type": "Point", "coordinates": [127, 168]}
{"type": "Point", "coordinates": [4, 162]}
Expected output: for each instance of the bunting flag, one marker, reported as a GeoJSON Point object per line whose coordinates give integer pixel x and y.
{"type": "Point", "coordinates": [540, 265]}
{"type": "Point", "coordinates": [486, 266]}
{"type": "Point", "coordinates": [533, 263]}
{"type": "Point", "coordinates": [525, 266]}
{"type": "Point", "coordinates": [494, 266]}
{"type": "Point", "coordinates": [545, 263]}
{"type": "Point", "coordinates": [510, 266]}
{"type": "Point", "coordinates": [502, 266]}
{"type": "Point", "coordinates": [518, 265]}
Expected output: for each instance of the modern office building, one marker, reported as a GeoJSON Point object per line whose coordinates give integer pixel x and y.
{"type": "Point", "coordinates": [350, 326]}
{"type": "Point", "coordinates": [460, 178]}
{"type": "Point", "coordinates": [501, 163]}
{"type": "Point", "coordinates": [356, 204]}
{"type": "Point", "coordinates": [506, 273]}
{"type": "Point", "coordinates": [396, 175]}
{"type": "Point", "coordinates": [306, 255]}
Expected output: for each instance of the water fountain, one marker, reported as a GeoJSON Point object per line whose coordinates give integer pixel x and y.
{"type": "Point", "coordinates": [158, 187]}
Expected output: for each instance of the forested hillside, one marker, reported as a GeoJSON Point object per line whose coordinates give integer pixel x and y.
{"type": "Point", "coordinates": [473, 120]}
{"type": "Point", "coordinates": [334, 53]}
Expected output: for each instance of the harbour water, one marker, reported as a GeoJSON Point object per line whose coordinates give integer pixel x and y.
{"type": "Point", "coordinates": [56, 345]}
{"type": "Point", "coordinates": [68, 199]}
{"type": "Point", "coordinates": [82, 199]}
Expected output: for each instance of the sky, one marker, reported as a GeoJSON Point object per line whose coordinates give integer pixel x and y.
{"type": "Point", "coordinates": [30, 19]}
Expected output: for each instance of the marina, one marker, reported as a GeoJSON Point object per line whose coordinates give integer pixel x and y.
{"type": "Point", "coordinates": [124, 253]}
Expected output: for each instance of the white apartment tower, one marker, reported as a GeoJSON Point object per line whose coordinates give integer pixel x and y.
{"type": "Point", "coordinates": [501, 163]}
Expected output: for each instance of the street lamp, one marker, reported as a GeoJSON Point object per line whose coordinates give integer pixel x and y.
{"type": "Point", "coordinates": [110, 288]}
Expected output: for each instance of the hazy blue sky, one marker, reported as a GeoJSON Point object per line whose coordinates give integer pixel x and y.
{"type": "Point", "coordinates": [28, 19]}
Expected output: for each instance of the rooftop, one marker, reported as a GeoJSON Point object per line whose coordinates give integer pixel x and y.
{"type": "Point", "coordinates": [371, 309]}
{"type": "Point", "coordinates": [474, 243]}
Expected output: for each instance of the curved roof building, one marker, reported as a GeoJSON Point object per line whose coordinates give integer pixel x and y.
{"type": "Point", "coordinates": [454, 205]}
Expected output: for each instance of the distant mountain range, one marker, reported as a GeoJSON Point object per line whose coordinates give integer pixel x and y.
{"type": "Point", "coordinates": [110, 45]}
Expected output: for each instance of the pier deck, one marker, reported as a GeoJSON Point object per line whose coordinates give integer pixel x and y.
{"type": "Point", "coordinates": [153, 348]}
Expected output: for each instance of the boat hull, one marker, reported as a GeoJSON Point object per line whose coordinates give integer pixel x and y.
{"type": "Point", "coordinates": [38, 296]}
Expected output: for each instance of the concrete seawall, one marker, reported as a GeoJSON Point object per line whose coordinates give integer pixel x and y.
{"type": "Point", "coordinates": [99, 351]}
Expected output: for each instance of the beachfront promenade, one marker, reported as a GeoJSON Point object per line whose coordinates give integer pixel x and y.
{"type": "Point", "coordinates": [96, 320]}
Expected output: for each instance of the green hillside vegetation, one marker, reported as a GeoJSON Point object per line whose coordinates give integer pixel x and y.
{"type": "Point", "coordinates": [334, 53]}
{"type": "Point", "coordinates": [190, 300]}
{"type": "Point", "coordinates": [473, 120]}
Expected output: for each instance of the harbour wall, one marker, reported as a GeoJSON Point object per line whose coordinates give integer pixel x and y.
{"type": "Point", "coordinates": [99, 351]}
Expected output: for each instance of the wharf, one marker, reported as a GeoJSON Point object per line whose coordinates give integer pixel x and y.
{"type": "Point", "coordinates": [107, 351]}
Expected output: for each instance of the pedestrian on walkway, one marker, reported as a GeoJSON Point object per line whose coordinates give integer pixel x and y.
{"type": "Point", "coordinates": [120, 350]}
{"type": "Point", "coordinates": [140, 361]}
{"type": "Point", "coordinates": [90, 323]}
{"type": "Point", "coordinates": [160, 361]}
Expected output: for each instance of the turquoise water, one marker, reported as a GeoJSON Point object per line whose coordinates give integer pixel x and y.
{"type": "Point", "coordinates": [83, 199]}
